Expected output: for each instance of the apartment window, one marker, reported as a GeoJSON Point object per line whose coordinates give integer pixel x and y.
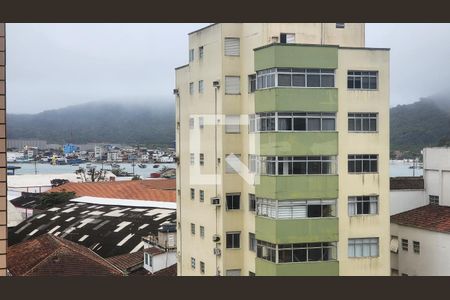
{"type": "Point", "coordinates": [191, 123]}
{"type": "Point", "coordinates": [233, 240]}
{"type": "Point", "coordinates": [293, 165]}
{"type": "Point", "coordinates": [232, 85]}
{"type": "Point", "coordinates": [295, 209]}
{"type": "Point", "coordinates": [191, 88]}
{"type": "Point", "coordinates": [202, 267]}
{"type": "Point", "coordinates": [340, 25]}
{"type": "Point", "coordinates": [235, 272]}
{"type": "Point", "coordinates": [233, 201]}
{"type": "Point", "coordinates": [201, 122]}
{"type": "Point", "coordinates": [362, 80]}
{"type": "Point", "coordinates": [287, 121]}
{"type": "Point", "coordinates": [295, 78]}
{"type": "Point", "coordinates": [404, 244]}
{"type": "Point", "coordinates": [200, 52]}
{"type": "Point", "coordinates": [202, 195]}
{"type": "Point", "coordinates": [192, 194]}
{"type": "Point", "coordinates": [251, 202]}
{"type": "Point", "coordinates": [232, 46]}
{"type": "Point", "coordinates": [192, 158]}
{"type": "Point", "coordinates": [192, 228]}
{"type": "Point", "coordinates": [366, 122]}
{"type": "Point", "coordinates": [200, 86]}
{"type": "Point", "coordinates": [233, 163]}
{"type": "Point", "coordinates": [266, 250]}
{"type": "Point", "coordinates": [287, 38]}
{"type": "Point", "coordinates": [364, 247]}
{"type": "Point", "coordinates": [202, 159]}
{"type": "Point", "coordinates": [232, 124]}
{"type": "Point", "coordinates": [192, 263]}
{"type": "Point", "coordinates": [146, 258]}
{"type": "Point", "coordinates": [434, 200]}
{"type": "Point", "coordinates": [202, 231]}
{"type": "Point", "coordinates": [362, 205]}
{"type": "Point", "coordinates": [252, 83]}
{"type": "Point", "coordinates": [416, 247]}
{"type": "Point", "coordinates": [303, 252]}
{"type": "Point", "coordinates": [363, 163]}
{"type": "Point", "coordinates": [251, 242]}
{"type": "Point", "coordinates": [191, 55]}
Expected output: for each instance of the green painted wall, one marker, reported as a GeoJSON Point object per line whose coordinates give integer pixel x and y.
{"type": "Point", "coordinates": [298, 187]}
{"type": "Point", "coordinates": [323, 268]}
{"type": "Point", "coordinates": [297, 100]}
{"type": "Point", "coordinates": [296, 56]}
{"type": "Point", "coordinates": [297, 230]}
{"type": "Point", "coordinates": [298, 143]}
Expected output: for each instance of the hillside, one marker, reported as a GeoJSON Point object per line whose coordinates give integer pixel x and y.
{"type": "Point", "coordinates": [420, 124]}
{"type": "Point", "coordinates": [109, 122]}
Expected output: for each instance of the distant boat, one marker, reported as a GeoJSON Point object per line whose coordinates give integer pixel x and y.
{"type": "Point", "coordinates": [155, 166]}
{"type": "Point", "coordinates": [142, 166]}
{"type": "Point", "coordinates": [115, 165]}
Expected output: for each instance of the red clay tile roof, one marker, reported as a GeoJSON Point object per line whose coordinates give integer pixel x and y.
{"type": "Point", "coordinates": [48, 255]}
{"type": "Point", "coordinates": [153, 190]}
{"type": "Point", "coordinates": [153, 251]}
{"type": "Point", "coordinates": [429, 217]}
{"type": "Point", "coordinates": [127, 262]}
{"type": "Point", "coordinates": [170, 271]}
{"type": "Point", "coordinates": [407, 183]}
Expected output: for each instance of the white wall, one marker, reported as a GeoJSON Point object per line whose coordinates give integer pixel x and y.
{"type": "Point", "coordinates": [437, 173]}
{"type": "Point", "coordinates": [403, 200]}
{"type": "Point", "coordinates": [434, 257]}
{"type": "Point", "coordinates": [162, 261]}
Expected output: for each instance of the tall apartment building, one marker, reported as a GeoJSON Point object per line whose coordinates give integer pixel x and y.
{"type": "Point", "coordinates": [283, 148]}
{"type": "Point", "coordinates": [3, 221]}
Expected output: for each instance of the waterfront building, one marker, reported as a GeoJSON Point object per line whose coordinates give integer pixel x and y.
{"type": "Point", "coordinates": [283, 151]}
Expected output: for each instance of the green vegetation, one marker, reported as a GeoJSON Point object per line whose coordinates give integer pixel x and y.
{"type": "Point", "coordinates": [48, 200]}
{"type": "Point", "coordinates": [425, 123]}
{"type": "Point", "coordinates": [99, 122]}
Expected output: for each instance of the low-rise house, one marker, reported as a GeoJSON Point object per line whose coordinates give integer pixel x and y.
{"type": "Point", "coordinates": [420, 222]}
{"type": "Point", "coordinates": [49, 255]}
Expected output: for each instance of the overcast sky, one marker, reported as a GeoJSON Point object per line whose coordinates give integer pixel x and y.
{"type": "Point", "coordinates": [54, 65]}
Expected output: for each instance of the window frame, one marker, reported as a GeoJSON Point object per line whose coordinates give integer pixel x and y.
{"type": "Point", "coordinates": [233, 233]}
{"type": "Point", "coordinates": [359, 117]}
{"type": "Point", "coordinates": [233, 203]}
{"type": "Point", "coordinates": [355, 77]}
{"type": "Point", "coordinates": [299, 209]}
{"type": "Point", "coordinates": [366, 241]}
{"type": "Point", "coordinates": [201, 195]}
{"type": "Point", "coordinates": [270, 121]}
{"type": "Point", "coordinates": [405, 245]}
{"type": "Point", "coordinates": [416, 247]}
{"type": "Point", "coordinates": [269, 78]}
{"type": "Point", "coordinates": [432, 199]}
{"type": "Point", "coordinates": [201, 53]}
{"type": "Point", "coordinates": [360, 159]}
{"type": "Point", "coordinates": [202, 231]}
{"type": "Point", "coordinates": [227, 85]}
{"type": "Point", "coordinates": [252, 202]}
{"type": "Point", "coordinates": [192, 228]}
{"type": "Point", "coordinates": [201, 86]}
{"type": "Point", "coordinates": [201, 159]}
{"type": "Point", "coordinates": [355, 201]}
{"type": "Point", "coordinates": [192, 194]}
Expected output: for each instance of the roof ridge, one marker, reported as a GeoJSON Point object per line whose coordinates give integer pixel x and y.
{"type": "Point", "coordinates": [45, 258]}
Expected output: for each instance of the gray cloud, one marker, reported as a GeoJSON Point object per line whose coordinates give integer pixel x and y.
{"type": "Point", "coordinates": [54, 65]}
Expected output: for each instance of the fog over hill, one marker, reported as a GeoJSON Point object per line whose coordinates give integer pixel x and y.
{"type": "Point", "coordinates": [421, 124]}
{"type": "Point", "coordinates": [97, 122]}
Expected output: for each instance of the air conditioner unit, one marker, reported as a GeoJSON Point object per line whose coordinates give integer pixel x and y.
{"type": "Point", "coordinates": [217, 252]}
{"type": "Point", "coordinates": [216, 238]}
{"type": "Point", "coordinates": [215, 200]}
{"type": "Point", "coordinates": [176, 92]}
{"type": "Point", "coordinates": [216, 83]}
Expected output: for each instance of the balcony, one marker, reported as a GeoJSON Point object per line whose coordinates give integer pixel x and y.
{"type": "Point", "coordinates": [298, 143]}
{"type": "Point", "coordinates": [298, 187]}
{"type": "Point", "coordinates": [290, 231]}
{"type": "Point", "coordinates": [319, 268]}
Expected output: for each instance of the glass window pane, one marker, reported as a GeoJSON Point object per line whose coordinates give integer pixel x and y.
{"type": "Point", "coordinates": [357, 84]}
{"type": "Point", "coordinates": [299, 255]}
{"type": "Point", "coordinates": [365, 82]}
{"type": "Point", "coordinates": [351, 124]}
{"type": "Point", "coordinates": [366, 124]}
{"type": "Point", "coordinates": [373, 83]}
{"type": "Point", "coordinates": [314, 254]}
{"type": "Point", "coordinates": [314, 211]}
{"type": "Point", "coordinates": [327, 80]}
{"type": "Point", "coordinates": [299, 168]}
{"type": "Point", "coordinates": [284, 124]}
{"type": "Point", "coordinates": [300, 124]}
{"type": "Point", "coordinates": [285, 256]}
{"type": "Point", "coordinates": [313, 80]}
{"type": "Point", "coordinates": [328, 124]}
{"type": "Point", "coordinates": [373, 124]}
{"type": "Point", "coordinates": [284, 80]}
{"type": "Point", "coordinates": [313, 124]}
{"type": "Point", "coordinates": [314, 167]}
{"type": "Point", "coordinates": [298, 80]}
